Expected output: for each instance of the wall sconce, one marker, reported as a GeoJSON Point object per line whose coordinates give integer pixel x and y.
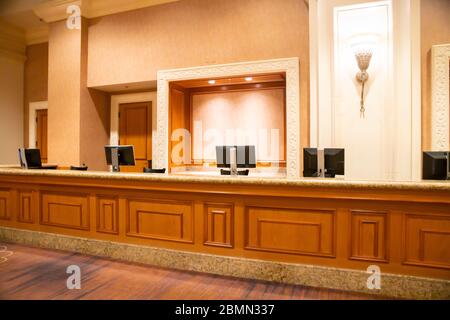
{"type": "Point", "coordinates": [363, 47]}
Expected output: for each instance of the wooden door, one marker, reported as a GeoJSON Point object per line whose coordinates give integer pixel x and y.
{"type": "Point", "coordinates": [41, 133]}
{"type": "Point", "coordinates": [135, 128]}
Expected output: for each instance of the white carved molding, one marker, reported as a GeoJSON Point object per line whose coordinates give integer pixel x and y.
{"type": "Point", "coordinates": [440, 126]}
{"type": "Point", "coordinates": [33, 107]}
{"type": "Point", "coordinates": [290, 66]}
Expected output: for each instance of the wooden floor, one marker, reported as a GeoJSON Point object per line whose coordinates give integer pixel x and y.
{"type": "Point", "coordinates": [32, 273]}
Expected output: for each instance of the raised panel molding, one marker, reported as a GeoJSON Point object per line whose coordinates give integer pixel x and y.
{"type": "Point", "coordinates": [26, 203]}
{"type": "Point", "coordinates": [107, 215]}
{"type": "Point", "coordinates": [160, 219]}
{"type": "Point", "coordinates": [294, 231]}
{"type": "Point", "coordinates": [219, 222]}
{"type": "Point", "coordinates": [5, 213]}
{"type": "Point", "coordinates": [369, 236]}
{"type": "Point", "coordinates": [65, 210]}
{"type": "Point", "coordinates": [427, 240]}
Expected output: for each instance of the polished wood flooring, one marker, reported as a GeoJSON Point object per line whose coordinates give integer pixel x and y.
{"type": "Point", "coordinates": [33, 273]}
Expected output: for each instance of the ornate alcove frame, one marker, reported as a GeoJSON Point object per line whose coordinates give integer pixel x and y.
{"type": "Point", "coordinates": [290, 66]}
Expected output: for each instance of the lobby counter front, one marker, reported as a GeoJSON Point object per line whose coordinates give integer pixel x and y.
{"type": "Point", "coordinates": [322, 233]}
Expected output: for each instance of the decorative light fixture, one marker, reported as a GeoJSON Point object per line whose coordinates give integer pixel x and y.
{"type": "Point", "coordinates": [212, 81]}
{"type": "Point", "coordinates": [248, 79]}
{"type": "Point", "coordinates": [363, 58]}
{"type": "Point", "coordinates": [363, 47]}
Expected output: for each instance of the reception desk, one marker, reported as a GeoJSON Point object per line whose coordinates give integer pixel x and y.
{"type": "Point", "coordinates": [308, 231]}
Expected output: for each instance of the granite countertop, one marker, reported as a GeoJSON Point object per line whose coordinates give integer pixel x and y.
{"type": "Point", "coordinates": [301, 182]}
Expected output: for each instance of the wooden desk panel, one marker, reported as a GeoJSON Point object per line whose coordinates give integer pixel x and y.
{"type": "Point", "coordinates": [160, 219]}
{"type": "Point", "coordinates": [402, 231]}
{"type": "Point", "coordinates": [294, 231]}
{"type": "Point", "coordinates": [65, 210]}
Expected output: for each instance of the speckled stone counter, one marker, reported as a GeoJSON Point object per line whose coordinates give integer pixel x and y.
{"type": "Point", "coordinates": [282, 182]}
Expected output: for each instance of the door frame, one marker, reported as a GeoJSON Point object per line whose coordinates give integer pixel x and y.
{"type": "Point", "coordinates": [406, 38]}
{"type": "Point", "coordinates": [117, 100]}
{"type": "Point", "coordinates": [32, 126]}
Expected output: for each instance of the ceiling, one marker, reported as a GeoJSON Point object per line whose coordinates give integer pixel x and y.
{"type": "Point", "coordinates": [24, 20]}
{"type": "Point", "coordinates": [33, 16]}
{"type": "Point", "coordinates": [236, 80]}
{"type": "Point", "coordinates": [19, 13]}
{"type": "Point", "coordinates": [128, 87]}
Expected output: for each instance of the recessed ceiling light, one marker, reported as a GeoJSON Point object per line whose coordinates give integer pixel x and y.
{"type": "Point", "coordinates": [249, 79]}
{"type": "Point", "coordinates": [212, 81]}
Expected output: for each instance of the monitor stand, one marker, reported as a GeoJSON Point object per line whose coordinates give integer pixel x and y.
{"type": "Point", "coordinates": [448, 165]}
{"type": "Point", "coordinates": [321, 163]}
{"type": "Point", "coordinates": [23, 159]}
{"type": "Point", "coordinates": [238, 172]}
{"type": "Point", "coordinates": [233, 162]}
{"type": "Point", "coordinates": [115, 160]}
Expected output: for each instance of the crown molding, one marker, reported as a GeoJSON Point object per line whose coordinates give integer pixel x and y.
{"type": "Point", "coordinates": [12, 55]}
{"type": "Point", "coordinates": [37, 35]}
{"type": "Point", "coordinates": [100, 8]}
{"type": "Point", "coordinates": [12, 41]}
{"type": "Point", "coordinates": [55, 10]}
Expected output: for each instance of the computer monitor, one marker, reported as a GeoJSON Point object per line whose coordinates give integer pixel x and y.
{"type": "Point", "coordinates": [310, 162]}
{"type": "Point", "coordinates": [30, 158]}
{"type": "Point", "coordinates": [334, 162]}
{"type": "Point", "coordinates": [435, 166]}
{"type": "Point", "coordinates": [245, 156]}
{"type": "Point", "coordinates": [119, 156]}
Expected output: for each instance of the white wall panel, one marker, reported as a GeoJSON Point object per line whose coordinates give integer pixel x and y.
{"type": "Point", "coordinates": [385, 145]}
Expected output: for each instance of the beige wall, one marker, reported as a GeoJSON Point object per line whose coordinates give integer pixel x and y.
{"type": "Point", "coordinates": [435, 20]}
{"type": "Point", "coordinates": [78, 117]}
{"type": "Point", "coordinates": [11, 108]}
{"type": "Point", "coordinates": [132, 46]}
{"type": "Point", "coordinates": [237, 118]}
{"type": "Point", "coordinates": [94, 116]}
{"type": "Point", "coordinates": [36, 79]}
{"type": "Point", "coordinates": [64, 95]}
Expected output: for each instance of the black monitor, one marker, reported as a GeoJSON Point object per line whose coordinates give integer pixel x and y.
{"type": "Point", "coordinates": [435, 166]}
{"type": "Point", "coordinates": [30, 158]}
{"type": "Point", "coordinates": [245, 156]}
{"type": "Point", "coordinates": [334, 162]}
{"type": "Point", "coordinates": [119, 156]}
{"type": "Point", "coordinates": [310, 162]}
